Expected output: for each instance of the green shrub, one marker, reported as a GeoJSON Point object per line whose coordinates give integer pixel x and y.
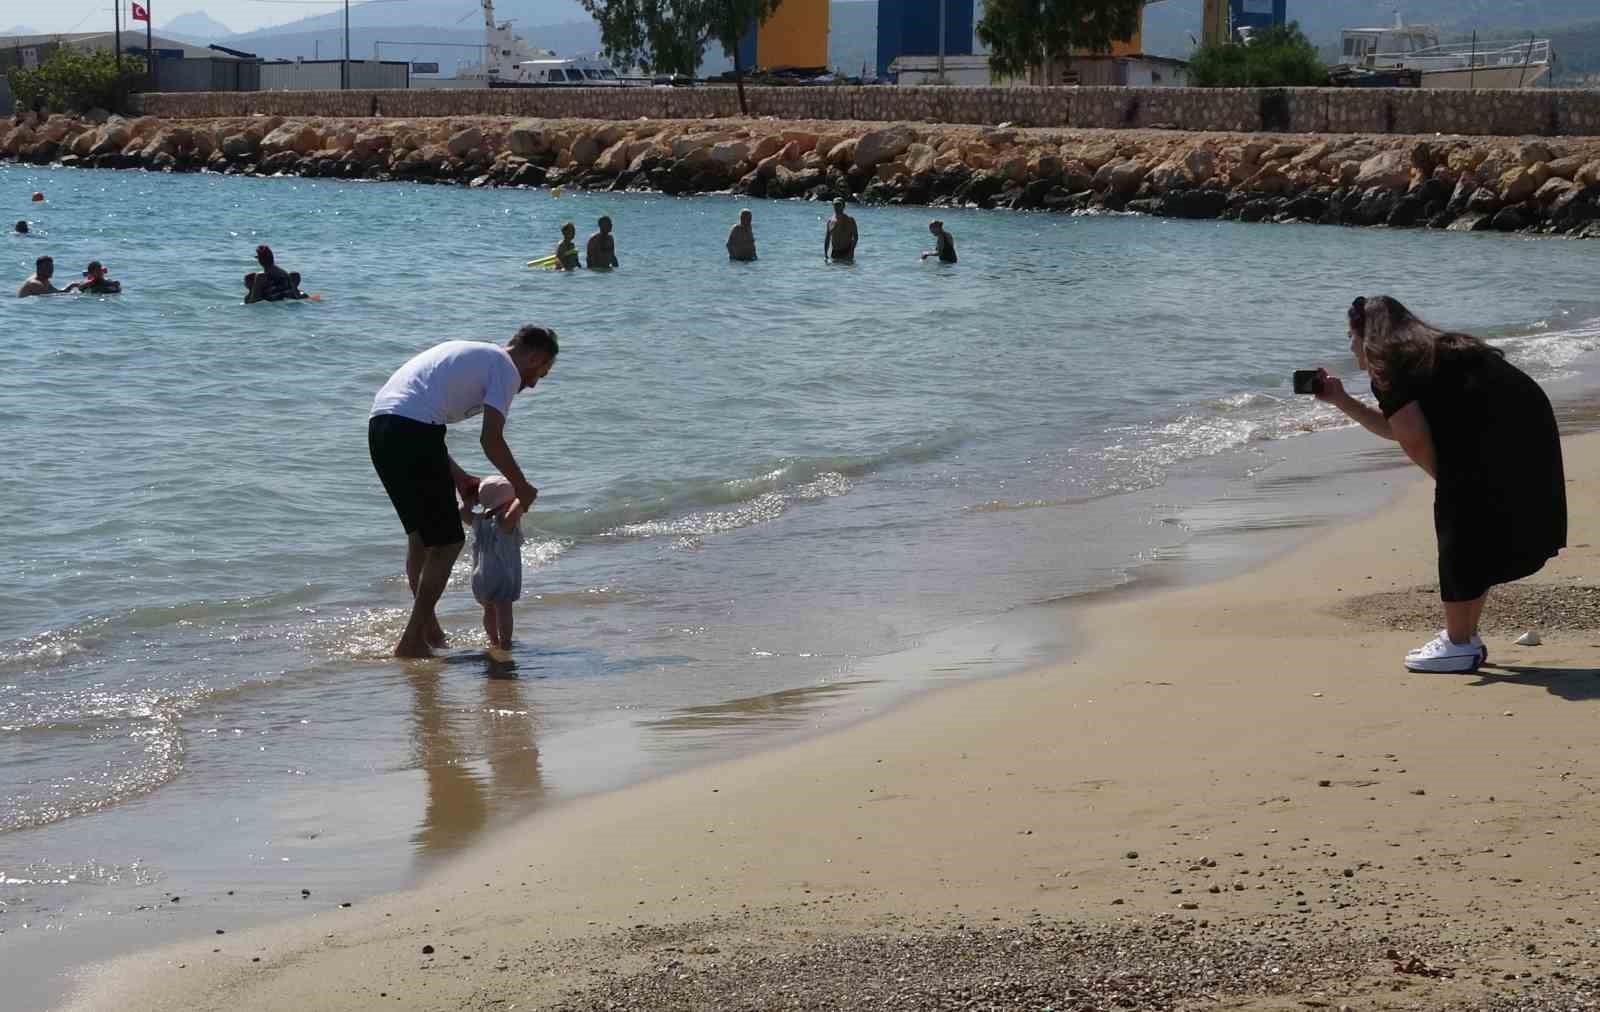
{"type": "Point", "coordinates": [1280, 57]}
{"type": "Point", "coordinates": [72, 80]}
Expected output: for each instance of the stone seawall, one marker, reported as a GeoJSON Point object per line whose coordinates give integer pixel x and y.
{"type": "Point", "coordinates": [1460, 183]}
{"type": "Point", "coordinates": [1287, 110]}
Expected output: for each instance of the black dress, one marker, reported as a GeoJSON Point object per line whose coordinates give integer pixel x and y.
{"type": "Point", "coordinates": [1500, 505]}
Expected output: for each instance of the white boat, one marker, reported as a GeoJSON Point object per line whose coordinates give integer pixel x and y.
{"type": "Point", "coordinates": [1482, 64]}
{"type": "Point", "coordinates": [510, 62]}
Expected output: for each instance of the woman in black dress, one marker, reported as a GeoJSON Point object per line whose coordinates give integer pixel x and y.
{"type": "Point", "coordinates": [1486, 434]}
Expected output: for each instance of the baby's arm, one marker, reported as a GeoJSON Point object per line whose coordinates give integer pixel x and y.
{"type": "Point", "coordinates": [511, 516]}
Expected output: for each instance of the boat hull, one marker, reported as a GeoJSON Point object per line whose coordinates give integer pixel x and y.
{"type": "Point", "coordinates": [1492, 78]}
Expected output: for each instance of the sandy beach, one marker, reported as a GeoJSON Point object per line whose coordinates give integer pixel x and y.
{"type": "Point", "coordinates": [1232, 796]}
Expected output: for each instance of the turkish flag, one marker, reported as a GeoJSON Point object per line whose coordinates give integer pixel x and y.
{"type": "Point", "coordinates": [140, 14]}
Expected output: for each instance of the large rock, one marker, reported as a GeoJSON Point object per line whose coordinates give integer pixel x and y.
{"type": "Point", "coordinates": [1205, 203]}
{"type": "Point", "coordinates": [1534, 152]}
{"type": "Point", "coordinates": [299, 138]}
{"type": "Point", "coordinates": [1270, 180]}
{"type": "Point", "coordinates": [366, 145]}
{"type": "Point", "coordinates": [1472, 221]}
{"type": "Point", "coordinates": [586, 151]}
{"type": "Point", "coordinates": [111, 138]}
{"type": "Point", "coordinates": [1120, 178]}
{"type": "Point", "coordinates": [465, 142]}
{"type": "Point", "coordinates": [1483, 201]}
{"type": "Point", "coordinates": [1552, 190]}
{"type": "Point", "coordinates": [1201, 164]}
{"type": "Point", "coordinates": [883, 146]}
{"type": "Point", "coordinates": [526, 138]}
{"type": "Point", "coordinates": [919, 159]}
{"type": "Point", "coordinates": [1511, 219]}
{"type": "Point", "coordinates": [1521, 183]}
{"type": "Point", "coordinates": [239, 146]}
{"type": "Point", "coordinates": [1388, 169]}
{"type": "Point", "coordinates": [1566, 168]}
{"type": "Point", "coordinates": [731, 153]}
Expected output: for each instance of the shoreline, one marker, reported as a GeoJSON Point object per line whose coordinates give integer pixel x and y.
{"type": "Point", "coordinates": [613, 915]}
{"type": "Point", "coordinates": [1457, 183]}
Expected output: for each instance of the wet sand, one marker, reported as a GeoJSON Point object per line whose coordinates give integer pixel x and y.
{"type": "Point", "coordinates": [1232, 795]}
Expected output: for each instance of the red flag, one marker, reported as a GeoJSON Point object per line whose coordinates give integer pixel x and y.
{"type": "Point", "coordinates": [140, 14]}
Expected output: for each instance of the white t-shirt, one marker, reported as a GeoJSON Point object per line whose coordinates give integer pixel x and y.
{"type": "Point", "coordinates": [450, 382]}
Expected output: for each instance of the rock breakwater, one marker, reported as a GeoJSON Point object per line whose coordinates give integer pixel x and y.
{"type": "Point", "coordinates": [1458, 183]}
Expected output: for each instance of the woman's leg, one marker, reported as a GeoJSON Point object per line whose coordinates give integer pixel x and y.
{"type": "Point", "coordinates": [1461, 618]}
{"type": "Point", "coordinates": [490, 625]}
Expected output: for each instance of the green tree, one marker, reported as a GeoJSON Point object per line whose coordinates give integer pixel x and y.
{"type": "Point", "coordinates": [1279, 57]}
{"type": "Point", "coordinates": [1026, 38]}
{"type": "Point", "coordinates": [75, 80]}
{"type": "Point", "coordinates": [670, 36]}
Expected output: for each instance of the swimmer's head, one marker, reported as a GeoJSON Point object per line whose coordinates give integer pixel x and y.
{"type": "Point", "coordinates": [38, 197]}
{"type": "Point", "coordinates": [569, 230]}
{"type": "Point", "coordinates": [264, 255]}
{"type": "Point", "coordinates": [495, 492]}
{"type": "Point", "coordinates": [44, 267]}
{"type": "Point", "coordinates": [838, 204]}
{"type": "Point", "coordinates": [936, 226]}
{"type": "Point", "coordinates": [22, 228]}
{"type": "Point", "coordinates": [744, 216]}
{"type": "Point", "coordinates": [94, 271]}
{"type": "Point", "coordinates": [605, 225]}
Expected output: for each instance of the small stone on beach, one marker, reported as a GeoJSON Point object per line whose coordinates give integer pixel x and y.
{"type": "Point", "coordinates": [427, 950]}
{"type": "Point", "coordinates": [1529, 639]}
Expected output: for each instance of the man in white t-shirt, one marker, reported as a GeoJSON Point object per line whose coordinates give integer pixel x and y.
{"type": "Point", "coordinates": [448, 383]}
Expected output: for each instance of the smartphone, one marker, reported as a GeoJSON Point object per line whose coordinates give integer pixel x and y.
{"type": "Point", "coordinates": [1307, 381]}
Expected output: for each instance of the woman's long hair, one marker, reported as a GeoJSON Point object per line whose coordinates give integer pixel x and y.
{"type": "Point", "coordinates": [1400, 346]}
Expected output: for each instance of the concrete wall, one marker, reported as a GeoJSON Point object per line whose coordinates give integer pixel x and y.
{"type": "Point", "coordinates": [324, 75]}
{"type": "Point", "coordinates": [1303, 110]}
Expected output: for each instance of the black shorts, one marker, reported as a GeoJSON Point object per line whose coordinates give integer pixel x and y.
{"type": "Point", "coordinates": [414, 466]}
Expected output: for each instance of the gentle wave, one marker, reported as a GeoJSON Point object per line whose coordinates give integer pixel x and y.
{"type": "Point", "coordinates": [641, 509]}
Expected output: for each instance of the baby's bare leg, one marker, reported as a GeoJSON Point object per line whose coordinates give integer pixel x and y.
{"type": "Point", "coordinates": [503, 616]}
{"type": "Point", "coordinates": [489, 623]}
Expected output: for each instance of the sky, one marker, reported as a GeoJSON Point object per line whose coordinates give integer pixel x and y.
{"type": "Point", "coordinates": [238, 15]}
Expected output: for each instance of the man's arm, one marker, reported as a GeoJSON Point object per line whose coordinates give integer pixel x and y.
{"type": "Point", "coordinates": [493, 440]}
{"type": "Point", "coordinates": [258, 288]}
{"type": "Point", "coordinates": [827, 239]}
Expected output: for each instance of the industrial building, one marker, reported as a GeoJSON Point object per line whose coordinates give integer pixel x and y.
{"type": "Point", "coordinates": [912, 28]}
{"type": "Point", "coordinates": [1222, 19]}
{"type": "Point", "coordinates": [796, 35]}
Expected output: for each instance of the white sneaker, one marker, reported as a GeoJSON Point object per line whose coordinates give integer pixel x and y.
{"type": "Point", "coordinates": [1439, 654]}
{"type": "Point", "coordinates": [1477, 641]}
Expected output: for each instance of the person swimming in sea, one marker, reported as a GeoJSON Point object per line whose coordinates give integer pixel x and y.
{"type": "Point", "coordinates": [567, 249]}
{"type": "Point", "coordinates": [944, 244]}
{"type": "Point", "coordinates": [272, 283]}
{"type": "Point", "coordinates": [742, 239]}
{"type": "Point", "coordinates": [96, 282]}
{"type": "Point", "coordinates": [21, 228]}
{"type": "Point", "coordinates": [294, 280]}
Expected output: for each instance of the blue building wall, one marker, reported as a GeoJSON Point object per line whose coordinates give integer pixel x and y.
{"type": "Point", "coordinates": [911, 28]}
{"type": "Point", "coordinates": [1258, 13]}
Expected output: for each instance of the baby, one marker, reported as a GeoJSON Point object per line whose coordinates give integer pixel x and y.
{"type": "Point", "coordinates": [496, 556]}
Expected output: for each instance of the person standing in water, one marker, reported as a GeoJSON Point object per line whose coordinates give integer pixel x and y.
{"type": "Point", "coordinates": [449, 382]}
{"type": "Point", "coordinates": [742, 239]}
{"type": "Point", "coordinates": [44, 269]}
{"type": "Point", "coordinates": [601, 252]}
{"type": "Point", "coordinates": [567, 249]}
{"type": "Point", "coordinates": [272, 282]}
{"type": "Point", "coordinates": [944, 244]}
{"type": "Point", "coordinates": [839, 239]}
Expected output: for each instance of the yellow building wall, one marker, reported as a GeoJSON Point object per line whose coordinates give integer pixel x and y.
{"type": "Point", "coordinates": [795, 36]}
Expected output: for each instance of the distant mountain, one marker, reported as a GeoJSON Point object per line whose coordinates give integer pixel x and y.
{"type": "Point", "coordinates": [19, 30]}
{"type": "Point", "coordinates": [195, 27]}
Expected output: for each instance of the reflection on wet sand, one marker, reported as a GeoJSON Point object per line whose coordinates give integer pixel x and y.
{"type": "Point", "coordinates": [461, 801]}
{"type": "Point", "coordinates": [691, 725]}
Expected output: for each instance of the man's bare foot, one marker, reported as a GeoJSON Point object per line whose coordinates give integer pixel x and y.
{"type": "Point", "coordinates": [412, 649]}
{"type": "Point", "coordinates": [436, 637]}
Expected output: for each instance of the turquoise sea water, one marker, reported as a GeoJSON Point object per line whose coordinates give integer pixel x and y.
{"type": "Point", "coordinates": [759, 484]}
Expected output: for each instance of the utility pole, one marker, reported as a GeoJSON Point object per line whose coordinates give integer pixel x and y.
{"type": "Point", "coordinates": [149, 50]}
{"type": "Point", "coordinates": [344, 68]}
{"type": "Point", "coordinates": [116, 9]}
{"type": "Point", "coordinates": [941, 41]}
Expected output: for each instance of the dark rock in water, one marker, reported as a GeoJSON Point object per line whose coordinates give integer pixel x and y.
{"type": "Point", "coordinates": [795, 184]}
{"type": "Point", "coordinates": [1306, 208]}
{"type": "Point", "coordinates": [1200, 204]}
{"type": "Point", "coordinates": [43, 152]}
{"type": "Point", "coordinates": [1573, 208]}
{"type": "Point", "coordinates": [1409, 212]}
{"type": "Point", "coordinates": [1430, 190]}
{"type": "Point", "coordinates": [328, 168]}
{"type": "Point", "coordinates": [1460, 195]}
{"type": "Point", "coordinates": [557, 177]}
{"type": "Point", "coordinates": [981, 187]}
{"type": "Point", "coordinates": [283, 161]}
{"type": "Point", "coordinates": [1376, 205]}
{"type": "Point", "coordinates": [858, 178]}
{"type": "Point", "coordinates": [821, 192]}
{"type": "Point", "coordinates": [530, 174]}
{"type": "Point", "coordinates": [1010, 197]}
{"type": "Point", "coordinates": [1034, 193]}
{"type": "Point", "coordinates": [1441, 220]}
{"type": "Point", "coordinates": [1512, 219]}
{"type": "Point", "coordinates": [1472, 221]}
{"type": "Point", "coordinates": [70, 161]}
{"type": "Point", "coordinates": [1059, 199]}
{"type": "Point", "coordinates": [1259, 209]}
{"type": "Point", "coordinates": [1483, 201]}
{"type": "Point", "coordinates": [1145, 205]}
{"type": "Point", "coordinates": [707, 181]}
